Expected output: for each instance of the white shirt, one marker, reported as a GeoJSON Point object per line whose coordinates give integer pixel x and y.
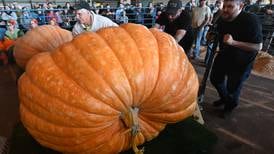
{"type": "Point", "coordinates": [98, 23]}
{"type": "Point", "coordinates": [199, 14]}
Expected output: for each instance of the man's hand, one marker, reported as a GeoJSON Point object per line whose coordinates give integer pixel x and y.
{"type": "Point", "coordinates": [210, 36]}
{"type": "Point", "coordinates": [269, 11]}
{"type": "Point", "coordinates": [246, 46]}
{"type": "Point", "coordinates": [228, 39]}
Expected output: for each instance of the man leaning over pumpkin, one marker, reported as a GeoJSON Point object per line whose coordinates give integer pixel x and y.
{"type": "Point", "coordinates": [89, 21]}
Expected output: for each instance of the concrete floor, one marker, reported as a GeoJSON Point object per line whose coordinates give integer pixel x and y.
{"type": "Point", "coordinates": [249, 130]}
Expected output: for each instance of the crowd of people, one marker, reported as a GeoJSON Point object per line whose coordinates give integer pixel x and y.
{"type": "Point", "coordinates": [16, 19]}
{"type": "Point", "coordinates": [239, 32]}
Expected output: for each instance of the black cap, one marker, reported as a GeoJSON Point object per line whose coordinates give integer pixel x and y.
{"type": "Point", "coordinates": [173, 6]}
{"type": "Point", "coordinates": [82, 5]}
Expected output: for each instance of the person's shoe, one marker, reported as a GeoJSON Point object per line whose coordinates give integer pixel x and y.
{"type": "Point", "coordinates": [227, 111]}
{"type": "Point", "coordinates": [225, 114]}
{"type": "Point", "coordinates": [229, 107]}
{"type": "Point", "coordinates": [218, 103]}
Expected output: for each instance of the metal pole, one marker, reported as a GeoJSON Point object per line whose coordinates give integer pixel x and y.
{"type": "Point", "coordinates": [212, 46]}
{"type": "Point", "coordinates": [31, 4]}
{"type": "Point", "coordinates": [4, 3]}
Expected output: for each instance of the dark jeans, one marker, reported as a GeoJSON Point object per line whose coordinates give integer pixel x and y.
{"type": "Point", "coordinates": [208, 53]}
{"type": "Point", "coordinates": [228, 81]}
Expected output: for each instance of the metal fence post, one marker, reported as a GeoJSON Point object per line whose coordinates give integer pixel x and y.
{"type": "Point", "coordinates": [4, 3]}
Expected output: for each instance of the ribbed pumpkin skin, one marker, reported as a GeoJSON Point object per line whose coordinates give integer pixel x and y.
{"type": "Point", "coordinates": [73, 99]}
{"type": "Point", "coordinates": [40, 39]}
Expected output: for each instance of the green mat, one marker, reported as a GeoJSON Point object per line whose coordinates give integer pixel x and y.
{"type": "Point", "coordinates": [186, 137]}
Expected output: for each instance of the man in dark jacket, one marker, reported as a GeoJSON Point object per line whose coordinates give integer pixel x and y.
{"type": "Point", "coordinates": [177, 22]}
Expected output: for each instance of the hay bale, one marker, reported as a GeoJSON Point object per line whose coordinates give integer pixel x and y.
{"type": "Point", "coordinates": [264, 64]}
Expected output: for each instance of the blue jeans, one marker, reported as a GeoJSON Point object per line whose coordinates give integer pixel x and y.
{"type": "Point", "coordinates": [198, 34]}
{"type": "Point", "coordinates": [228, 81]}
{"type": "Point", "coordinates": [206, 28]}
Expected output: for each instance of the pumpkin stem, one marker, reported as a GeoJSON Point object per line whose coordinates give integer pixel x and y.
{"type": "Point", "coordinates": [131, 121]}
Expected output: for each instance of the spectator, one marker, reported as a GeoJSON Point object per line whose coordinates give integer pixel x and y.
{"type": "Point", "coordinates": [247, 4]}
{"type": "Point", "coordinates": [26, 18]}
{"type": "Point", "coordinates": [59, 14]}
{"type": "Point", "coordinates": [4, 44]}
{"type": "Point", "coordinates": [51, 14]}
{"type": "Point", "coordinates": [33, 23]}
{"type": "Point", "coordinates": [53, 22]}
{"type": "Point", "coordinates": [190, 5]}
{"type": "Point", "coordinates": [88, 20]}
{"type": "Point", "coordinates": [69, 8]}
{"type": "Point", "coordinates": [119, 12]}
{"type": "Point", "coordinates": [109, 12]}
{"type": "Point", "coordinates": [50, 6]}
{"type": "Point", "coordinates": [150, 14]}
{"type": "Point", "coordinates": [160, 7]}
{"type": "Point", "coordinates": [123, 19]}
{"type": "Point", "coordinates": [218, 10]}
{"type": "Point", "coordinates": [3, 29]}
{"type": "Point", "coordinates": [8, 15]}
{"type": "Point", "coordinates": [201, 16]}
{"type": "Point", "coordinates": [12, 34]}
{"type": "Point", "coordinates": [139, 14]}
{"type": "Point", "coordinates": [255, 8]}
{"type": "Point", "coordinates": [41, 16]}
{"type": "Point", "coordinates": [268, 9]}
{"type": "Point", "coordinates": [130, 13]}
{"type": "Point", "coordinates": [67, 19]}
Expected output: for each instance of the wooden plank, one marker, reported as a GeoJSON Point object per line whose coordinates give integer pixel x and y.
{"type": "Point", "coordinates": [197, 115]}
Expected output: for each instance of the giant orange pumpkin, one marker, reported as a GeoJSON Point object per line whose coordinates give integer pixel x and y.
{"type": "Point", "coordinates": [108, 91]}
{"type": "Point", "coordinates": [40, 39]}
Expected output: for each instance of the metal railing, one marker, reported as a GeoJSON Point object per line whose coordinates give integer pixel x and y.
{"type": "Point", "coordinates": [143, 16]}
{"type": "Point", "coordinates": [130, 15]}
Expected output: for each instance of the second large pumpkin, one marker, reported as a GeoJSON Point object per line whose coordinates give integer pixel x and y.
{"type": "Point", "coordinates": [44, 38]}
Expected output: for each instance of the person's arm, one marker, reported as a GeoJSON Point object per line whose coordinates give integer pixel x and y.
{"type": "Point", "coordinates": [75, 30]}
{"type": "Point", "coordinates": [267, 10]}
{"type": "Point", "coordinates": [158, 26]}
{"type": "Point", "coordinates": [246, 46]}
{"type": "Point", "coordinates": [21, 33]}
{"type": "Point", "coordinates": [160, 22]}
{"type": "Point", "coordinates": [5, 16]}
{"type": "Point", "coordinates": [179, 35]}
{"type": "Point", "coordinates": [205, 22]}
{"type": "Point", "coordinates": [13, 16]}
{"type": "Point", "coordinates": [210, 19]}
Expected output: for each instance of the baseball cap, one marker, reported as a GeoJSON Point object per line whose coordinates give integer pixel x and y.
{"type": "Point", "coordinates": [82, 5]}
{"type": "Point", "coordinates": [173, 6]}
